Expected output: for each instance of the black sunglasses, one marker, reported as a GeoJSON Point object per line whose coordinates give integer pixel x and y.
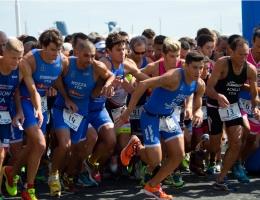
{"type": "Point", "coordinates": [139, 53]}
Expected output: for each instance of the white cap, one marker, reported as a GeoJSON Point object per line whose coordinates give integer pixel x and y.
{"type": "Point", "coordinates": [66, 46]}
{"type": "Point", "coordinates": [100, 45]}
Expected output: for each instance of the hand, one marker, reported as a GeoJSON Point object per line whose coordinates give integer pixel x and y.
{"type": "Point", "coordinates": [38, 114]}
{"type": "Point", "coordinates": [129, 87]}
{"type": "Point", "coordinates": [188, 113]}
{"type": "Point", "coordinates": [73, 108]}
{"type": "Point", "coordinates": [117, 81]}
{"type": "Point", "coordinates": [256, 113]}
{"type": "Point", "coordinates": [121, 119]}
{"type": "Point", "coordinates": [51, 92]}
{"type": "Point", "coordinates": [197, 118]}
{"type": "Point", "coordinates": [18, 118]}
{"type": "Point", "coordinates": [108, 91]}
{"type": "Point", "coordinates": [222, 101]}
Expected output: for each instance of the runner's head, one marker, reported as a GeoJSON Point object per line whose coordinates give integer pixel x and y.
{"type": "Point", "coordinates": [190, 41]}
{"type": "Point", "coordinates": [205, 44]}
{"type": "Point", "coordinates": [185, 49]}
{"type": "Point", "coordinates": [239, 51]}
{"type": "Point", "coordinates": [85, 53]}
{"type": "Point", "coordinates": [222, 43]}
{"type": "Point", "coordinates": [138, 46]}
{"type": "Point", "coordinates": [149, 50]}
{"type": "Point", "coordinates": [149, 34]}
{"type": "Point", "coordinates": [115, 46]}
{"type": "Point", "coordinates": [3, 41]}
{"type": "Point", "coordinates": [51, 42]}
{"type": "Point", "coordinates": [100, 45]}
{"type": "Point", "coordinates": [13, 53]}
{"type": "Point", "coordinates": [206, 67]}
{"type": "Point", "coordinates": [203, 31]}
{"type": "Point", "coordinates": [124, 35]}
{"type": "Point", "coordinates": [157, 46]}
{"type": "Point", "coordinates": [230, 40]}
{"type": "Point", "coordinates": [194, 64]}
{"type": "Point", "coordinates": [256, 42]}
{"type": "Point", "coordinates": [28, 46]}
{"type": "Point", "coordinates": [76, 39]}
{"type": "Point", "coordinates": [171, 51]}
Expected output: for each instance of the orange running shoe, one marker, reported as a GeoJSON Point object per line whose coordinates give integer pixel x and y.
{"type": "Point", "coordinates": [129, 150]}
{"type": "Point", "coordinates": [156, 192]}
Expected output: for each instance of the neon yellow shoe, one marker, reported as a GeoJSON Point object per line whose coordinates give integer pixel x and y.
{"type": "Point", "coordinates": [10, 183]}
{"type": "Point", "coordinates": [29, 194]}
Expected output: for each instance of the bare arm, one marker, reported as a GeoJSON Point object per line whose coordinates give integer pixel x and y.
{"type": "Point", "coordinates": [26, 70]}
{"type": "Point", "coordinates": [216, 74]}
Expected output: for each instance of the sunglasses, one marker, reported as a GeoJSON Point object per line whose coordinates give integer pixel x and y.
{"type": "Point", "coordinates": [139, 53]}
{"type": "Point", "coordinates": [102, 51]}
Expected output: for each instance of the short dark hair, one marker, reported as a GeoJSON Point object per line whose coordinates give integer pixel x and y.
{"type": "Point", "coordinates": [194, 56]}
{"type": "Point", "coordinates": [220, 38]}
{"type": "Point", "coordinates": [232, 38]}
{"type": "Point", "coordinates": [148, 33]}
{"type": "Point", "coordinates": [68, 38]}
{"type": "Point", "coordinates": [22, 37]}
{"type": "Point", "coordinates": [114, 39]}
{"type": "Point", "coordinates": [189, 40]}
{"type": "Point", "coordinates": [203, 39]}
{"type": "Point", "coordinates": [51, 35]}
{"type": "Point", "coordinates": [159, 39]}
{"type": "Point", "coordinates": [203, 31]}
{"type": "Point", "coordinates": [256, 34]}
{"type": "Point", "coordinates": [29, 38]}
{"type": "Point", "coordinates": [123, 33]}
{"type": "Point", "coordinates": [238, 42]}
{"type": "Point", "coordinates": [185, 45]}
{"type": "Point", "coordinates": [80, 35]}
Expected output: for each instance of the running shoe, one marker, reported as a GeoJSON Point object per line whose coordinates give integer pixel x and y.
{"type": "Point", "coordinates": [156, 192]}
{"type": "Point", "coordinates": [129, 150]}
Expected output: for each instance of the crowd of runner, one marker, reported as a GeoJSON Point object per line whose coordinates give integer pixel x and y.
{"type": "Point", "coordinates": [80, 109]}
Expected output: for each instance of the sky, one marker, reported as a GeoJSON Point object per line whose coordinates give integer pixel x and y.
{"type": "Point", "coordinates": [178, 18]}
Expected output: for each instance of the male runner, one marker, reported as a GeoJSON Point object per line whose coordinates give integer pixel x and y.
{"type": "Point", "coordinates": [10, 78]}
{"type": "Point", "coordinates": [157, 119]}
{"type": "Point", "coordinates": [40, 68]}
{"type": "Point", "coordinates": [223, 86]}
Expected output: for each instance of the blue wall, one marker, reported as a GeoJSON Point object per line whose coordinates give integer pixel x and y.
{"type": "Point", "coordinates": [250, 18]}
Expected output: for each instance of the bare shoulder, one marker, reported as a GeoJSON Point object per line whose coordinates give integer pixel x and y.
{"type": "Point", "coordinates": [129, 63]}
{"type": "Point", "coordinates": [251, 70]}
{"type": "Point", "coordinates": [30, 59]}
{"type": "Point", "coordinates": [99, 64]}
{"type": "Point", "coordinates": [65, 60]}
{"type": "Point", "coordinates": [106, 62]}
{"type": "Point", "coordinates": [221, 63]}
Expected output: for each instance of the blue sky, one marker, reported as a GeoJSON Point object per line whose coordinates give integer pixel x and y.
{"type": "Point", "coordinates": [178, 18]}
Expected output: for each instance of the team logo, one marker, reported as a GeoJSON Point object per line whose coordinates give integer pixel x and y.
{"type": "Point", "coordinates": [85, 74]}
{"type": "Point", "coordinates": [40, 85]}
{"type": "Point", "coordinates": [42, 68]}
{"type": "Point", "coordinates": [72, 92]}
{"type": "Point", "coordinates": [73, 74]}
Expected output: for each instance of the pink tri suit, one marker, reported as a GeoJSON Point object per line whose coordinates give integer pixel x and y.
{"type": "Point", "coordinates": [245, 100]}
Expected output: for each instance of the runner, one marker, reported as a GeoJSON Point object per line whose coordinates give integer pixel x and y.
{"type": "Point", "coordinates": [223, 86]}
{"type": "Point", "coordinates": [79, 80]}
{"type": "Point", "coordinates": [10, 78]}
{"type": "Point", "coordinates": [158, 119]}
{"type": "Point", "coordinates": [40, 69]}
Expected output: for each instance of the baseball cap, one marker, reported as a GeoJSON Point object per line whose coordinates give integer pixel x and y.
{"type": "Point", "coordinates": [100, 45]}
{"type": "Point", "coordinates": [66, 46]}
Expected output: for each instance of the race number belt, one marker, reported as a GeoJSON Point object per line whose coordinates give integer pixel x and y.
{"type": "Point", "coordinates": [230, 113]}
{"type": "Point", "coordinates": [5, 117]}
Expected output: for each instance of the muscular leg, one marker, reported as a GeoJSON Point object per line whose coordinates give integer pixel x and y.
{"type": "Point", "coordinates": [63, 136]}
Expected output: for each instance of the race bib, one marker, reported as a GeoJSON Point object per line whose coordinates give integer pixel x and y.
{"type": "Point", "coordinates": [136, 112]}
{"type": "Point", "coordinates": [177, 113]}
{"type": "Point", "coordinates": [43, 104]}
{"type": "Point", "coordinates": [204, 110]}
{"type": "Point", "coordinates": [229, 113]}
{"type": "Point", "coordinates": [5, 117]}
{"type": "Point", "coordinates": [246, 105]}
{"type": "Point", "coordinates": [117, 112]}
{"type": "Point", "coordinates": [72, 120]}
{"type": "Point", "coordinates": [167, 124]}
